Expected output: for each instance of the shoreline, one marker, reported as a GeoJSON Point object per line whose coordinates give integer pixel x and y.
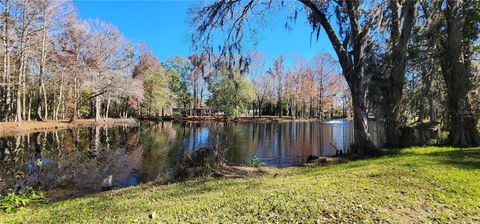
{"type": "Point", "coordinates": [12, 128]}
{"type": "Point", "coordinates": [25, 127]}
{"type": "Point", "coordinates": [263, 119]}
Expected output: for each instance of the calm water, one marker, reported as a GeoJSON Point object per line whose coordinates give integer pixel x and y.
{"type": "Point", "coordinates": [85, 160]}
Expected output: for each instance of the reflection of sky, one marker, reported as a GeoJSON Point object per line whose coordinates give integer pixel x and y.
{"type": "Point", "coordinates": [132, 181]}
{"type": "Point", "coordinates": [31, 165]}
{"type": "Point", "coordinates": [63, 163]}
{"type": "Point", "coordinates": [199, 140]}
{"type": "Point", "coordinates": [286, 144]}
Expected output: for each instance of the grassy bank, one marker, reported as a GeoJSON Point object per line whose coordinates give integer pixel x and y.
{"type": "Point", "coordinates": [23, 127]}
{"type": "Point", "coordinates": [409, 185]}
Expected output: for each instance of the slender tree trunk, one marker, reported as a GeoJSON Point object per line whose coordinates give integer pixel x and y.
{"type": "Point", "coordinates": [75, 101]}
{"type": "Point", "coordinates": [54, 105]}
{"type": "Point", "coordinates": [9, 89]}
{"type": "Point", "coordinates": [98, 109]}
{"type": "Point", "coordinates": [19, 90]}
{"type": "Point", "coordinates": [320, 112]}
{"type": "Point", "coordinates": [311, 113]}
{"type": "Point", "coordinates": [4, 107]}
{"type": "Point", "coordinates": [108, 106]}
{"type": "Point", "coordinates": [279, 106]}
{"type": "Point", "coordinates": [60, 97]}
{"type": "Point", "coordinates": [24, 89]}
{"type": "Point", "coordinates": [195, 86]}
{"type": "Point", "coordinates": [29, 112]}
{"type": "Point", "coordinates": [41, 81]}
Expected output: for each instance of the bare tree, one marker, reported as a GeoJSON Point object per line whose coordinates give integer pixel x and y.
{"type": "Point", "coordinates": [72, 55]}
{"type": "Point", "coordinates": [109, 56]}
{"type": "Point", "coordinates": [278, 74]}
{"type": "Point", "coordinates": [259, 79]}
{"type": "Point", "coordinates": [52, 13]}
{"type": "Point", "coordinates": [6, 37]}
{"type": "Point", "coordinates": [28, 13]}
{"type": "Point", "coordinates": [325, 70]}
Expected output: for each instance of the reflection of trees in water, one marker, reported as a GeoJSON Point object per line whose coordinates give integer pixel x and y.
{"type": "Point", "coordinates": [78, 160]}
{"type": "Point", "coordinates": [156, 138]}
{"type": "Point", "coordinates": [231, 140]}
{"type": "Point", "coordinates": [280, 144]}
{"type": "Point", "coordinates": [74, 160]}
{"type": "Point", "coordinates": [201, 147]}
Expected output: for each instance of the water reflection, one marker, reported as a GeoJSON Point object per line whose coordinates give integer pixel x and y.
{"type": "Point", "coordinates": [84, 160]}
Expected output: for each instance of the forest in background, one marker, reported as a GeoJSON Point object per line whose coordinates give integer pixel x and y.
{"type": "Point", "coordinates": [59, 67]}
{"type": "Point", "coordinates": [400, 62]}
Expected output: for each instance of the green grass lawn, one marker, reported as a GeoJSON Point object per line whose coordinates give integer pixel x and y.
{"type": "Point", "coordinates": [409, 185]}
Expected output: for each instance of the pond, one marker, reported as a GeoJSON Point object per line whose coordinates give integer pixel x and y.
{"type": "Point", "coordinates": [68, 163]}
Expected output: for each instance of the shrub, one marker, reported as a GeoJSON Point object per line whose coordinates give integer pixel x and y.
{"type": "Point", "coordinates": [200, 163]}
{"type": "Point", "coordinates": [255, 162]}
{"type": "Point", "coordinates": [13, 201]}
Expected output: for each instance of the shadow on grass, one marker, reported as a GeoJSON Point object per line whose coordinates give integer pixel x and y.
{"type": "Point", "coordinates": [461, 158]}
{"type": "Point", "coordinates": [467, 158]}
{"type": "Point", "coordinates": [464, 158]}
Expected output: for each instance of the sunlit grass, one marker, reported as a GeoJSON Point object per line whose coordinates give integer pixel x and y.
{"type": "Point", "coordinates": [409, 185]}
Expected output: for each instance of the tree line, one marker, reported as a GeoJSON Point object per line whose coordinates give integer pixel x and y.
{"type": "Point", "coordinates": [399, 58]}
{"type": "Point", "coordinates": [58, 67]}
{"type": "Point", "coordinates": [199, 85]}
{"type": "Point", "coordinates": [308, 89]}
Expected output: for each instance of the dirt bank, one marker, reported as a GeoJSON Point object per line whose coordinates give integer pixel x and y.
{"type": "Point", "coordinates": [24, 127]}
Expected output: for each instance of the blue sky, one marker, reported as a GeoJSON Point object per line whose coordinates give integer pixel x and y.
{"type": "Point", "coordinates": [163, 26]}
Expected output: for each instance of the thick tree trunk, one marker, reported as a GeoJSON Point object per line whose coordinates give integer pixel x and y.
{"type": "Point", "coordinates": [461, 123]}
{"type": "Point", "coordinates": [363, 142]}
{"type": "Point", "coordinates": [399, 39]}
